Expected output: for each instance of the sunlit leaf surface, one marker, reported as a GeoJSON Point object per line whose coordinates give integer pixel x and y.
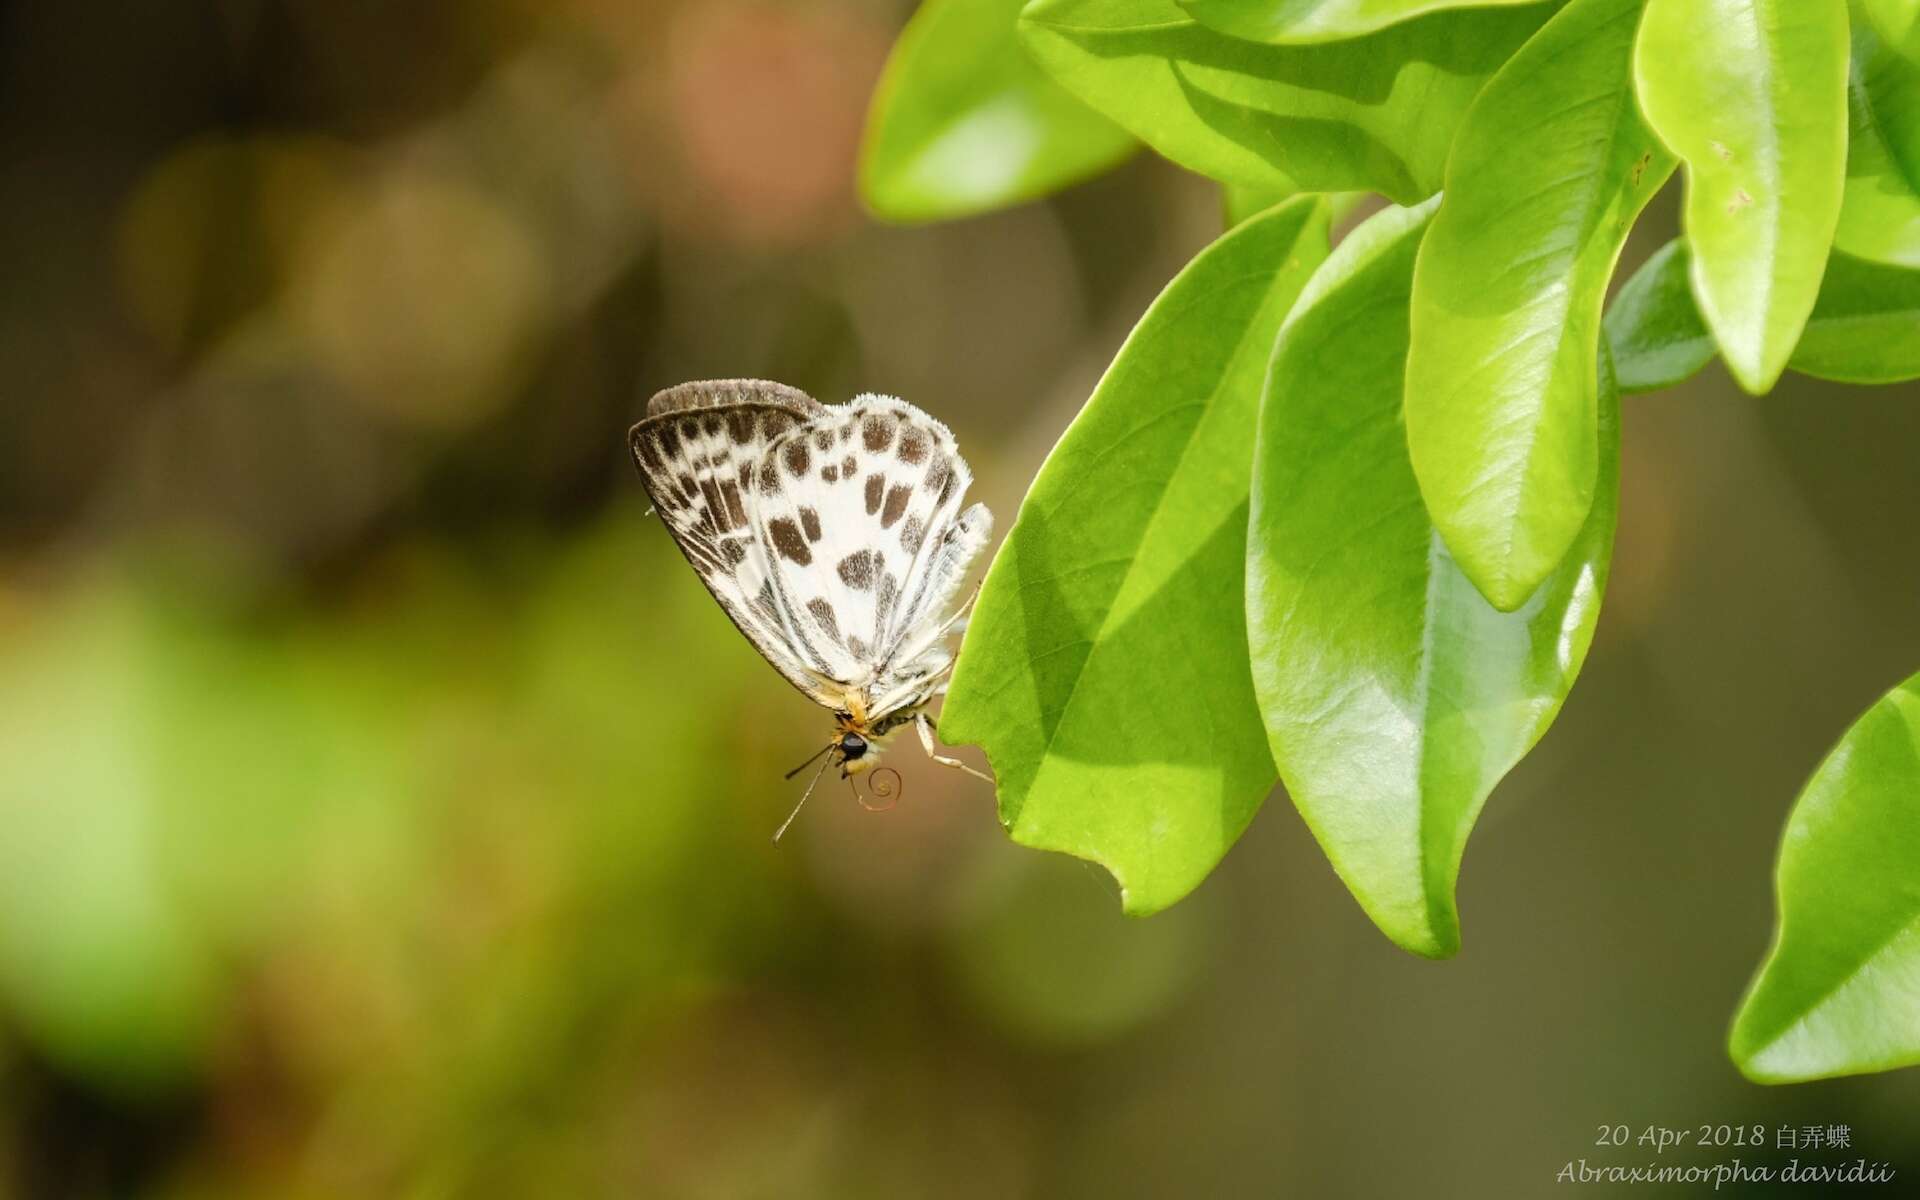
{"type": "Point", "coordinates": [1371, 114]}
{"type": "Point", "coordinates": [1105, 669]}
{"type": "Point", "coordinates": [962, 120]}
{"type": "Point", "coordinates": [1751, 94]}
{"type": "Point", "coordinates": [1840, 991]}
{"type": "Point", "coordinates": [1298, 21]}
{"type": "Point", "coordinates": [1394, 695]}
{"type": "Point", "coordinates": [1551, 169]}
{"type": "Point", "coordinates": [1895, 22]}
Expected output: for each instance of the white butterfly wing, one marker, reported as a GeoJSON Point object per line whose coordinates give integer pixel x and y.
{"type": "Point", "coordinates": [862, 526]}
{"type": "Point", "coordinates": [698, 450]}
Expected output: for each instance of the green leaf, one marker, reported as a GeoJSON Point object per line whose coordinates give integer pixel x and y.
{"type": "Point", "coordinates": [1653, 328]}
{"type": "Point", "coordinates": [1371, 114]}
{"type": "Point", "coordinates": [1840, 991]}
{"type": "Point", "coordinates": [1897, 22]}
{"type": "Point", "coordinates": [1751, 94]}
{"type": "Point", "coordinates": [1550, 170]}
{"type": "Point", "coordinates": [1239, 202]}
{"type": "Point", "coordinates": [1395, 696]}
{"type": "Point", "coordinates": [1295, 22]}
{"type": "Point", "coordinates": [962, 120]}
{"type": "Point", "coordinates": [1880, 211]}
{"type": "Point", "coordinates": [1105, 669]}
{"type": "Point", "coordinates": [1865, 326]}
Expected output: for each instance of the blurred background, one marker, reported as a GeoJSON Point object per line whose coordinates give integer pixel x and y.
{"type": "Point", "coordinates": [384, 806]}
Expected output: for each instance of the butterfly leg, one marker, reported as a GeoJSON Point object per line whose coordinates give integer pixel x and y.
{"type": "Point", "coordinates": [924, 725]}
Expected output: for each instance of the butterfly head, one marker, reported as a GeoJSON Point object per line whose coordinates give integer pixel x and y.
{"type": "Point", "coordinates": [856, 746]}
{"type": "Point", "coordinates": [853, 748]}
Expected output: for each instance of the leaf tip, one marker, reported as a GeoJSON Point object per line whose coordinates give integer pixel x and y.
{"type": "Point", "coordinates": [1433, 949]}
{"type": "Point", "coordinates": [1755, 1063]}
{"type": "Point", "coordinates": [1496, 578]}
{"type": "Point", "coordinates": [1433, 934]}
{"type": "Point", "coordinates": [1755, 376]}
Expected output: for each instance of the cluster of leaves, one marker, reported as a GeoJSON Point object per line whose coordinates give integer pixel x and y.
{"type": "Point", "coordinates": [1343, 517]}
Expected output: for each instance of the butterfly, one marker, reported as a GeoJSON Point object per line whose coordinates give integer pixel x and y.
{"type": "Point", "coordinates": [834, 538]}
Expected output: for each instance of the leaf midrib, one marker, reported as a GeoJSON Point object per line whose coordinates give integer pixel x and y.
{"type": "Point", "coordinates": [1066, 27]}
{"type": "Point", "coordinates": [1153, 520]}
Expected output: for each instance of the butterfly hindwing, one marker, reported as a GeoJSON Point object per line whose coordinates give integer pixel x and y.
{"type": "Point", "coordinates": [860, 532]}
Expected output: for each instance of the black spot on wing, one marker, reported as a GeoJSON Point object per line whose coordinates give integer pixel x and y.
{"type": "Point", "coordinates": [794, 453]}
{"type": "Point", "coordinates": [914, 444]}
{"type": "Point", "coordinates": [938, 474]}
{"type": "Point", "coordinates": [736, 512]}
{"type": "Point", "coordinates": [876, 485]}
{"type": "Point", "coordinates": [876, 431]}
{"type": "Point", "coordinates": [714, 509]}
{"type": "Point", "coordinates": [848, 466]}
{"type": "Point", "coordinates": [787, 540]}
{"type": "Point", "coordinates": [823, 440]}
{"type": "Point", "coordinates": [763, 600]}
{"type": "Point", "coordinates": [830, 473]}
{"type": "Point", "coordinates": [896, 505]}
{"type": "Point", "coordinates": [810, 521]}
{"type": "Point", "coordinates": [856, 570]}
{"type": "Point", "coordinates": [912, 534]}
{"type": "Point", "coordinates": [769, 479]}
{"type": "Point", "coordinates": [823, 616]}
{"type": "Point", "coordinates": [740, 426]}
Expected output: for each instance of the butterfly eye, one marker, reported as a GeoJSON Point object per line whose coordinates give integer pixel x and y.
{"type": "Point", "coordinates": [852, 746]}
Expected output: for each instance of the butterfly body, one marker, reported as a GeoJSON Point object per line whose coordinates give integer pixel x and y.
{"type": "Point", "coordinates": [834, 537]}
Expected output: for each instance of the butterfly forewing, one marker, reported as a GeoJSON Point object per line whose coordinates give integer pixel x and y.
{"type": "Point", "coordinates": [697, 450]}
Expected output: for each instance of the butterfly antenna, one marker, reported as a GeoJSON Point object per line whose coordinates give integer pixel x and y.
{"type": "Point", "coordinates": [811, 784]}
{"type": "Point", "coordinates": [803, 766]}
